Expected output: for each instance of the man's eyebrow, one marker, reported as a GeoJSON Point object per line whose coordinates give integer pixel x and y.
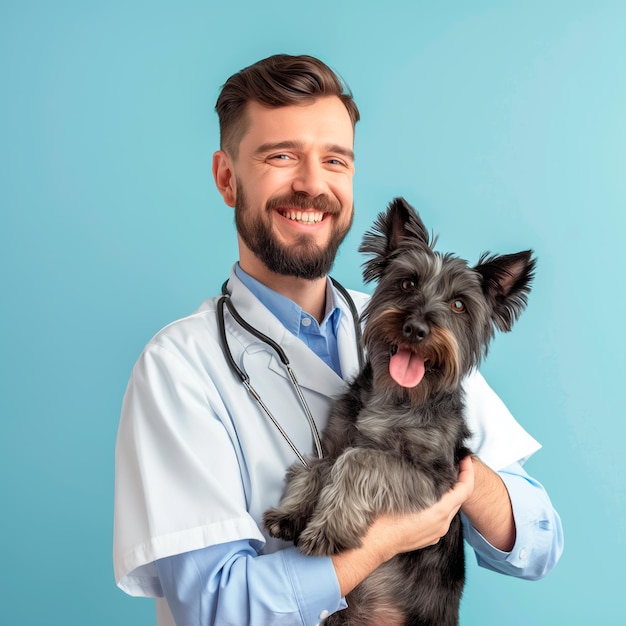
{"type": "Point", "coordinates": [297, 145]}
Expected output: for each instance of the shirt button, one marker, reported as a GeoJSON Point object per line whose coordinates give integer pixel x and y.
{"type": "Point", "coordinates": [522, 553]}
{"type": "Point", "coordinates": [306, 321]}
{"type": "Point", "coordinates": [324, 614]}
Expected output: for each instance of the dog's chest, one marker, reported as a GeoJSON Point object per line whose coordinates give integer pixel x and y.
{"type": "Point", "coordinates": [412, 432]}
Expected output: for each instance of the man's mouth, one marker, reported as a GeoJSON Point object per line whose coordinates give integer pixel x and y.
{"type": "Point", "coordinates": [303, 217]}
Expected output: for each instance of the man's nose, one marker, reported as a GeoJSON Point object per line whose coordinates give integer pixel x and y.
{"type": "Point", "coordinates": [310, 178]}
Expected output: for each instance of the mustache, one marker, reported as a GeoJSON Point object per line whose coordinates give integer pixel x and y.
{"type": "Point", "coordinates": [303, 201]}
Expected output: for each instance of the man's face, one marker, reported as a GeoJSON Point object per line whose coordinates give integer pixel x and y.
{"type": "Point", "coordinates": [293, 187]}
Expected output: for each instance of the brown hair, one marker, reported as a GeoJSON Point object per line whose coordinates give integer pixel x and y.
{"type": "Point", "coordinates": [277, 81]}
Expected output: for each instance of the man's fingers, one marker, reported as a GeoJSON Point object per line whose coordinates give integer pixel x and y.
{"type": "Point", "coordinates": [464, 486]}
{"type": "Point", "coordinates": [466, 471]}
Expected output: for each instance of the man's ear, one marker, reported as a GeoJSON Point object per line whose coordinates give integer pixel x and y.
{"type": "Point", "coordinates": [224, 176]}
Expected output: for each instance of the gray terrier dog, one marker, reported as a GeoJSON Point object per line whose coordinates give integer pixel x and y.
{"type": "Point", "coordinates": [394, 441]}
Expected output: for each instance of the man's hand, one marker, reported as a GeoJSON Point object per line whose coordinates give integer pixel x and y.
{"type": "Point", "coordinates": [394, 534]}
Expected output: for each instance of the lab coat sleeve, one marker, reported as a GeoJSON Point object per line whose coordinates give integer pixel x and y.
{"type": "Point", "coordinates": [539, 533]}
{"type": "Point", "coordinates": [174, 492]}
{"type": "Point", "coordinates": [496, 437]}
{"type": "Point", "coordinates": [230, 584]}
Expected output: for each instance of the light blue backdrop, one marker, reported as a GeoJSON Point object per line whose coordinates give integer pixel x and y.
{"type": "Point", "coordinates": [503, 122]}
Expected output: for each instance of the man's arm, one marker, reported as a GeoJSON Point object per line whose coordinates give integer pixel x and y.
{"type": "Point", "coordinates": [489, 508]}
{"type": "Point", "coordinates": [231, 584]}
{"type": "Point", "coordinates": [538, 533]}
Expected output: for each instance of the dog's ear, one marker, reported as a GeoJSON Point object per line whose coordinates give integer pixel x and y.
{"type": "Point", "coordinates": [506, 284]}
{"type": "Point", "coordinates": [394, 227]}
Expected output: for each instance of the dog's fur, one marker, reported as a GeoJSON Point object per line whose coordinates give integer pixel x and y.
{"type": "Point", "coordinates": [394, 447]}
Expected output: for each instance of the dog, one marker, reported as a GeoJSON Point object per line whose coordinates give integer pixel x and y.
{"type": "Point", "coordinates": [394, 440]}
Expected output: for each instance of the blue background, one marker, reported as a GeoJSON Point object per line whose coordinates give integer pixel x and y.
{"type": "Point", "coordinates": [504, 123]}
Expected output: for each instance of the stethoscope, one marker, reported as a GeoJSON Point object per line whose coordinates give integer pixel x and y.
{"type": "Point", "coordinates": [225, 300]}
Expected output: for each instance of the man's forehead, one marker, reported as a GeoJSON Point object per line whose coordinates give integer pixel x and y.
{"type": "Point", "coordinates": [321, 118]}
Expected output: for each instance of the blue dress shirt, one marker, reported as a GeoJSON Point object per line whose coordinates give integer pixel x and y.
{"type": "Point", "coordinates": [321, 338]}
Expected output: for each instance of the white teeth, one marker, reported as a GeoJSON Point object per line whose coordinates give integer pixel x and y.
{"type": "Point", "coordinates": [306, 217]}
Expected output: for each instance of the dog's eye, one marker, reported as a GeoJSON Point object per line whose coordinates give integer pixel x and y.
{"type": "Point", "coordinates": [458, 306]}
{"type": "Point", "coordinates": [408, 283]}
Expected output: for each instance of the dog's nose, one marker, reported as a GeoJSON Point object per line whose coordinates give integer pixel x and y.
{"type": "Point", "coordinates": [415, 330]}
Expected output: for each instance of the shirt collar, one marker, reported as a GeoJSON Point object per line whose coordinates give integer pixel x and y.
{"type": "Point", "coordinates": [287, 311]}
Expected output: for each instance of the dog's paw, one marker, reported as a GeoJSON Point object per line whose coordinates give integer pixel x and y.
{"type": "Point", "coordinates": [280, 525]}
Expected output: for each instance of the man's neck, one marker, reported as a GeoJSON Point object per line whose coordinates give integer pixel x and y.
{"type": "Point", "coordinates": [309, 295]}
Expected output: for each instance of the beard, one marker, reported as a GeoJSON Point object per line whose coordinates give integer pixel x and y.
{"type": "Point", "coordinates": [302, 259]}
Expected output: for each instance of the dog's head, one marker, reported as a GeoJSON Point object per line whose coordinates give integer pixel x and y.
{"type": "Point", "coordinates": [432, 316]}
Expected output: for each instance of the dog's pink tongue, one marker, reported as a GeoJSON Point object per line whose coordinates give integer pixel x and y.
{"type": "Point", "coordinates": [406, 368]}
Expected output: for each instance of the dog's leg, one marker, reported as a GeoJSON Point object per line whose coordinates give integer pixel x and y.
{"type": "Point", "coordinates": [362, 482]}
{"type": "Point", "coordinates": [288, 519]}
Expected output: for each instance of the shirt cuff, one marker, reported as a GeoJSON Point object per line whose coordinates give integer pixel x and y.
{"type": "Point", "coordinates": [315, 585]}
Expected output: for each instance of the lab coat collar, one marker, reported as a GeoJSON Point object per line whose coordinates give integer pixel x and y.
{"type": "Point", "coordinates": [312, 373]}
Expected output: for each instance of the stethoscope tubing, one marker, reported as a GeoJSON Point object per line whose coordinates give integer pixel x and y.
{"type": "Point", "coordinates": [225, 301]}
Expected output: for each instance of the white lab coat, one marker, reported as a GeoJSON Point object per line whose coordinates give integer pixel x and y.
{"type": "Point", "coordinates": [198, 462]}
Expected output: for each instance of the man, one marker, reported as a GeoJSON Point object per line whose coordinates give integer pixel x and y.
{"type": "Point", "coordinates": [199, 460]}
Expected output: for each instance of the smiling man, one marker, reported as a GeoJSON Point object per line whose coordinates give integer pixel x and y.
{"type": "Point", "coordinates": [199, 459]}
